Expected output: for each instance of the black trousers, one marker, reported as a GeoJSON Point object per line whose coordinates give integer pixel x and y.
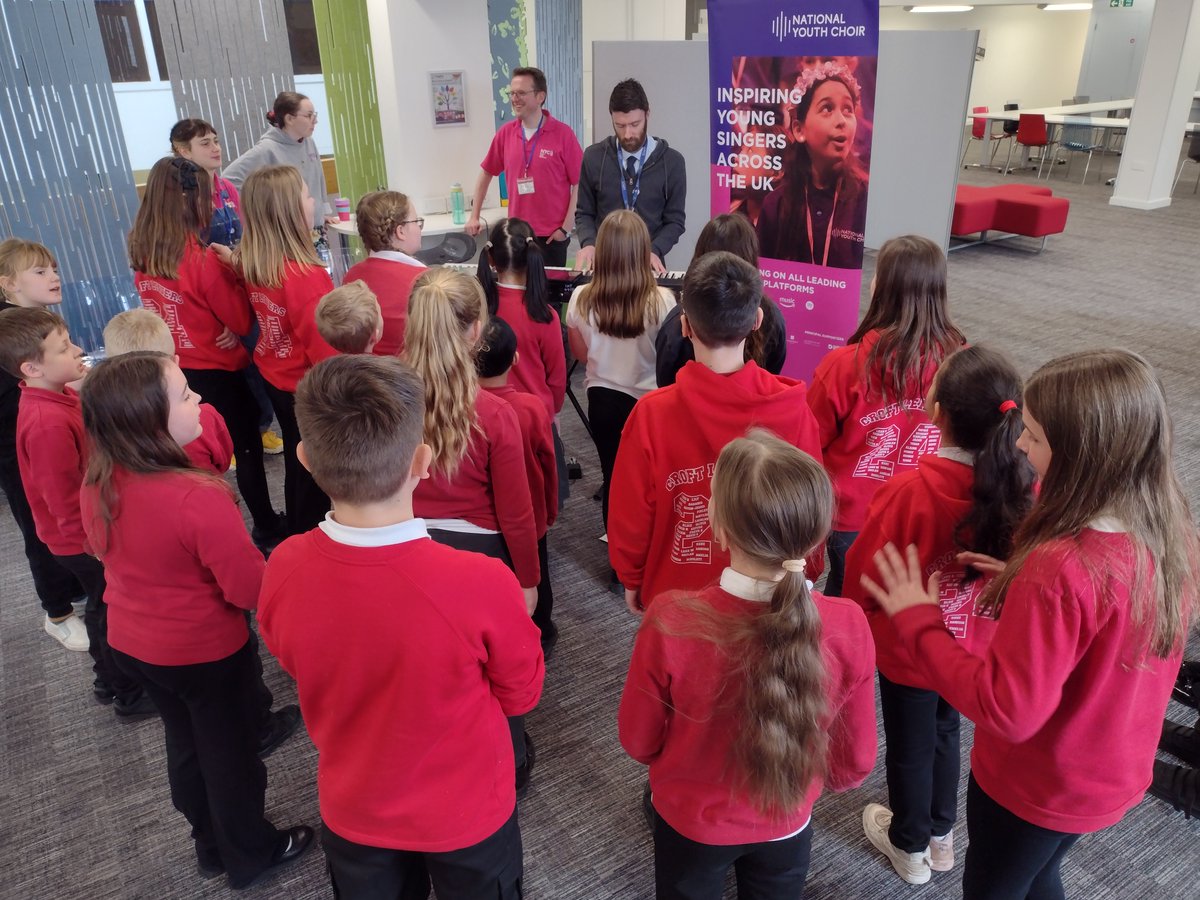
{"type": "Point", "coordinates": [254, 380]}
{"type": "Point", "coordinates": [607, 412]}
{"type": "Point", "coordinates": [491, 869]}
{"type": "Point", "coordinates": [489, 545]}
{"type": "Point", "coordinates": [554, 252]}
{"type": "Point", "coordinates": [560, 466]}
{"type": "Point", "coordinates": [544, 611]}
{"type": "Point", "coordinates": [687, 870]}
{"type": "Point", "coordinates": [229, 393]}
{"type": "Point", "coordinates": [922, 763]}
{"type": "Point", "coordinates": [837, 546]}
{"type": "Point", "coordinates": [1009, 858]}
{"type": "Point", "coordinates": [306, 503]}
{"type": "Point", "coordinates": [90, 573]}
{"type": "Point", "coordinates": [263, 698]}
{"type": "Point", "coordinates": [56, 587]}
{"type": "Point", "coordinates": [217, 780]}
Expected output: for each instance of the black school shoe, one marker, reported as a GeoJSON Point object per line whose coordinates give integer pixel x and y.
{"type": "Point", "coordinates": [267, 539]}
{"type": "Point", "coordinates": [1181, 742]}
{"type": "Point", "coordinates": [1187, 684]}
{"type": "Point", "coordinates": [526, 770]}
{"type": "Point", "coordinates": [549, 639]}
{"type": "Point", "coordinates": [1177, 785]}
{"type": "Point", "coordinates": [141, 707]}
{"type": "Point", "coordinates": [102, 692]}
{"type": "Point", "coordinates": [281, 725]}
{"type": "Point", "coordinates": [293, 843]}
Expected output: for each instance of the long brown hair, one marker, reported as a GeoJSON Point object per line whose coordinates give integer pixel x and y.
{"type": "Point", "coordinates": [774, 503]}
{"type": "Point", "coordinates": [176, 208]}
{"type": "Point", "coordinates": [1106, 421]}
{"type": "Point", "coordinates": [909, 309]}
{"type": "Point", "coordinates": [276, 231]}
{"type": "Point", "coordinates": [125, 413]}
{"type": "Point", "coordinates": [623, 296]}
{"type": "Point", "coordinates": [442, 307]}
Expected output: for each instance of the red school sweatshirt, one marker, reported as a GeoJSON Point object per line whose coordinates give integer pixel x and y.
{"type": "Point", "coordinates": [1067, 704]}
{"type": "Point", "coordinates": [922, 507]}
{"type": "Point", "coordinates": [541, 367]}
{"type": "Point", "coordinates": [490, 488]}
{"type": "Point", "coordinates": [177, 583]}
{"type": "Point", "coordinates": [659, 537]}
{"type": "Point", "coordinates": [289, 344]}
{"type": "Point", "coordinates": [538, 443]}
{"type": "Point", "coordinates": [392, 282]}
{"type": "Point", "coordinates": [681, 711]}
{"type": "Point", "coordinates": [414, 748]}
{"type": "Point", "coordinates": [865, 441]}
{"type": "Point", "coordinates": [52, 456]}
{"type": "Point", "coordinates": [213, 450]}
{"type": "Point", "coordinates": [206, 298]}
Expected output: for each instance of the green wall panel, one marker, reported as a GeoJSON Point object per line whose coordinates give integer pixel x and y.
{"type": "Point", "coordinates": [344, 37]}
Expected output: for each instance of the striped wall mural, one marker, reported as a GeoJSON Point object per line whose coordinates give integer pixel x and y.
{"type": "Point", "coordinates": [227, 60]}
{"type": "Point", "coordinates": [65, 178]}
{"type": "Point", "coordinates": [560, 56]}
{"type": "Point", "coordinates": [345, 39]}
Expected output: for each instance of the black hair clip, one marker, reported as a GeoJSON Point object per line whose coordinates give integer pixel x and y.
{"type": "Point", "coordinates": [187, 173]}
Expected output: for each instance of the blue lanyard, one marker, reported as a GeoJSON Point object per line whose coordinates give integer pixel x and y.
{"type": "Point", "coordinates": [532, 147]}
{"type": "Point", "coordinates": [637, 185]}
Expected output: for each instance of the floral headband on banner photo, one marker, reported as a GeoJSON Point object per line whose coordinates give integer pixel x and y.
{"type": "Point", "coordinates": [818, 74]}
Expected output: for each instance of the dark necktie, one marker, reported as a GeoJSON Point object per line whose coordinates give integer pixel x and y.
{"type": "Point", "coordinates": [631, 170]}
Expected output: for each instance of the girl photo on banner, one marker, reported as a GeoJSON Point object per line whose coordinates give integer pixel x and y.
{"type": "Point", "coordinates": [811, 206]}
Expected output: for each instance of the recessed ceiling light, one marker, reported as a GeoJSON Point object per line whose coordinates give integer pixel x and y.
{"type": "Point", "coordinates": [938, 9]}
{"type": "Point", "coordinates": [1064, 7]}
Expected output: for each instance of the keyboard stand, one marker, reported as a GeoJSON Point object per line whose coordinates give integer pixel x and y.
{"type": "Point", "coordinates": [575, 402]}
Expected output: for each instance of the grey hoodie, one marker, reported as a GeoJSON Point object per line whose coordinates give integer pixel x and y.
{"type": "Point", "coordinates": [276, 148]}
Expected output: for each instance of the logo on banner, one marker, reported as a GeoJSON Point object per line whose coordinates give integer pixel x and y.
{"type": "Point", "coordinates": [813, 25]}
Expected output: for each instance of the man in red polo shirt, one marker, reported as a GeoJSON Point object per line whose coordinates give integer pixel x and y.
{"type": "Point", "coordinates": [540, 157]}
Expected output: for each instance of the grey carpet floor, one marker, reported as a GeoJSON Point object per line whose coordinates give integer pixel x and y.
{"type": "Point", "coordinates": [84, 806]}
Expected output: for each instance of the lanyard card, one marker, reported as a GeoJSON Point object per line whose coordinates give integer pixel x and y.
{"type": "Point", "coordinates": [525, 185]}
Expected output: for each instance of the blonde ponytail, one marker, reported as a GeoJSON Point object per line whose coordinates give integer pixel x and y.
{"type": "Point", "coordinates": [443, 307]}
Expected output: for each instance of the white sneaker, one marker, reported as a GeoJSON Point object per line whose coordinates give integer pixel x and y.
{"type": "Point", "coordinates": [941, 852]}
{"type": "Point", "coordinates": [69, 632]}
{"type": "Point", "coordinates": [912, 867]}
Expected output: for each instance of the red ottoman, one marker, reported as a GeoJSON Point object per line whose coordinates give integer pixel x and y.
{"type": "Point", "coordinates": [1033, 216]}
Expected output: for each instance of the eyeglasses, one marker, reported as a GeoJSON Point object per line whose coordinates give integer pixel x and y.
{"type": "Point", "coordinates": [420, 223]}
{"type": "Point", "coordinates": [312, 115]}
{"type": "Point", "coordinates": [520, 95]}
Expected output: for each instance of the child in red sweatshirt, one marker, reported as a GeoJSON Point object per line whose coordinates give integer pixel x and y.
{"type": "Point", "coordinates": [285, 280]}
{"type": "Point", "coordinates": [415, 756]}
{"type": "Point", "coordinates": [52, 453]}
{"type": "Point", "coordinates": [869, 396]}
{"type": "Point", "coordinates": [349, 318]}
{"type": "Point", "coordinates": [747, 697]}
{"type": "Point", "coordinates": [969, 496]}
{"type": "Point", "coordinates": [496, 362]}
{"type": "Point", "coordinates": [659, 537]}
{"type": "Point", "coordinates": [1093, 603]}
{"type": "Point", "coordinates": [477, 496]}
{"type": "Point", "coordinates": [390, 230]}
{"type": "Point", "coordinates": [179, 587]}
{"type": "Point", "coordinates": [29, 278]}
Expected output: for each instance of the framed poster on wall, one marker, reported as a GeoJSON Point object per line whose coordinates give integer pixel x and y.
{"type": "Point", "coordinates": [449, 98]}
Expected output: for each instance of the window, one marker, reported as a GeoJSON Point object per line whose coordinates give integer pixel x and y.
{"type": "Point", "coordinates": [301, 26]}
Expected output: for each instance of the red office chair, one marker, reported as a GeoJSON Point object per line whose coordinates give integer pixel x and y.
{"type": "Point", "coordinates": [979, 127]}
{"type": "Point", "coordinates": [1031, 132]}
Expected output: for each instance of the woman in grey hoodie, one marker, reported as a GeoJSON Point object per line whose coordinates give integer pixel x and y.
{"type": "Point", "coordinates": [288, 142]}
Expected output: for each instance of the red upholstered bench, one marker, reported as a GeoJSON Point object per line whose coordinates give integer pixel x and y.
{"type": "Point", "coordinates": [1017, 209]}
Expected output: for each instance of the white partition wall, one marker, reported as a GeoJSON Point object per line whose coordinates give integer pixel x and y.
{"type": "Point", "coordinates": [920, 106]}
{"type": "Point", "coordinates": [675, 76]}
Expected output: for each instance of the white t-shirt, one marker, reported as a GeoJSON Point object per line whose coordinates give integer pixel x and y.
{"type": "Point", "coordinates": [620, 364]}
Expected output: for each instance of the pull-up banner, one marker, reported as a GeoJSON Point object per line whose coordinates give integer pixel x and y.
{"type": "Point", "coordinates": [793, 98]}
